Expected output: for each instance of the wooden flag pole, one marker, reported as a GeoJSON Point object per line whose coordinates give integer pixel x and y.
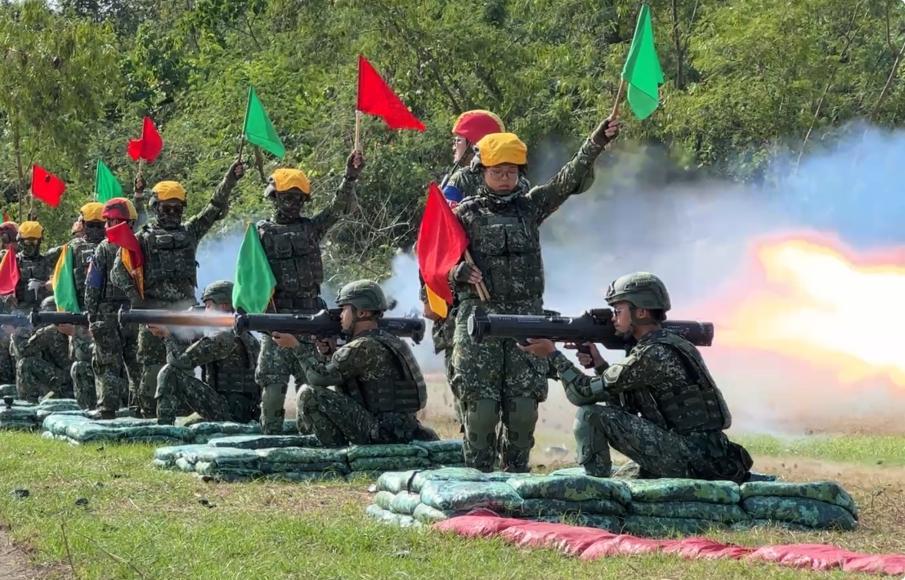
{"type": "Point", "coordinates": [140, 160]}
{"type": "Point", "coordinates": [357, 144]}
{"type": "Point", "coordinates": [619, 94]}
{"type": "Point", "coordinates": [483, 293]}
{"type": "Point", "coordinates": [241, 148]}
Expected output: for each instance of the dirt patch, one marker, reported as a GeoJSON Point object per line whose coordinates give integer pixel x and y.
{"type": "Point", "coordinates": [15, 564]}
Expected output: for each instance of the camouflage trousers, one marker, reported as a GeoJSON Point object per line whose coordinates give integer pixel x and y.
{"type": "Point", "coordinates": [179, 388]}
{"type": "Point", "coordinates": [442, 335]}
{"type": "Point", "coordinates": [35, 377]}
{"type": "Point", "coordinates": [7, 365]}
{"type": "Point", "coordinates": [497, 383]}
{"type": "Point", "coordinates": [275, 366]}
{"type": "Point", "coordinates": [114, 363]}
{"type": "Point", "coordinates": [82, 374]}
{"type": "Point", "coordinates": [152, 355]}
{"type": "Point", "coordinates": [338, 420]}
{"type": "Point", "coordinates": [657, 451]}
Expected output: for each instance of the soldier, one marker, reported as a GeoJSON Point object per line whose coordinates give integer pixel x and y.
{"type": "Point", "coordinates": [227, 390]}
{"type": "Point", "coordinates": [379, 386]}
{"type": "Point", "coordinates": [90, 227]}
{"type": "Point", "coordinates": [469, 128]}
{"type": "Point", "coordinates": [9, 231]}
{"type": "Point", "coordinates": [292, 245]}
{"type": "Point", "coordinates": [42, 361]}
{"type": "Point", "coordinates": [170, 270]}
{"type": "Point", "coordinates": [495, 379]}
{"type": "Point", "coordinates": [114, 360]}
{"type": "Point", "coordinates": [663, 410]}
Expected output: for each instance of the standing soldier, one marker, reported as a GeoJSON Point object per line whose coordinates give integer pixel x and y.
{"type": "Point", "coordinates": [114, 361]}
{"type": "Point", "coordinates": [496, 380]}
{"type": "Point", "coordinates": [379, 386]}
{"type": "Point", "coordinates": [170, 271]}
{"type": "Point", "coordinates": [43, 360]}
{"type": "Point", "coordinates": [292, 245]}
{"type": "Point", "coordinates": [227, 390]}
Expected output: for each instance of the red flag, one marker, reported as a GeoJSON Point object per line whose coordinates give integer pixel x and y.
{"type": "Point", "coordinates": [441, 243]}
{"type": "Point", "coordinates": [130, 250]}
{"type": "Point", "coordinates": [6, 217]}
{"type": "Point", "coordinates": [375, 97]}
{"type": "Point", "coordinates": [150, 144]}
{"type": "Point", "coordinates": [9, 272]}
{"type": "Point", "coordinates": [46, 186]}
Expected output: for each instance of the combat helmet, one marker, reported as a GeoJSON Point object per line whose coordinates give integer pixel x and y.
{"type": "Point", "coordinates": [641, 289]}
{"type": "Point", "coordinates": [288, 179]}
{"type": "Point", "coordinates": [49, 304]}
{"type": "Point", "coordinates": [363, 295]}
{"type": "Point", "coordinates": [119, 208]}
{"type": "Point", "coordinates": [219, 292]}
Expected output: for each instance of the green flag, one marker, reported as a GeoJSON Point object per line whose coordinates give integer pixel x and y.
{"type": "Point", "coordinates": [258, 129]}
{"type": "Point", "coordinates": [642, 70]}
{"type": "Point", "coordinates": [106, 185]}
{"type": "Point", "coordinates": [64, 292]}
{"type": "Point", "coordinates": [254, 279]}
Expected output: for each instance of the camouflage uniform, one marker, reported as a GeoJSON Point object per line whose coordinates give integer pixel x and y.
{"type": "Point", "coordinates": [7, 365]}
{"type": "Point", "coordinates": [80, 352]}
{"type": "Point", "coordinates": [379, 388]}
{"type": "Point", "coordinates": [36, 267]}
{"type": "Point", "coordinates": [495, 379]}
{"type": "Point", "coordinates": [294, 254]}
{"type": "Point", "coordinates": [226, 390]}
{"type": "Point", "coordinates": [42, 365]}
{"type": "Point", "coordinates": [170, 278]}
{"type": "Point", "coordinates": [663, 411]}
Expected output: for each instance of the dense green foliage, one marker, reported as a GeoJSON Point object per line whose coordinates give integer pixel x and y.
{"type": "Point", "coordinates": [746, 80]}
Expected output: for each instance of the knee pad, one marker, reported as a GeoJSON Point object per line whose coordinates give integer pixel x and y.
{"type": "Point", "coordinates": [481, 418]}
{"type": "Point", "coordinates": [520, 418]}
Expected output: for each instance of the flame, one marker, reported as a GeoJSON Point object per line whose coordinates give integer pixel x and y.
{"type": "Point", "coordinates": [809, 297]}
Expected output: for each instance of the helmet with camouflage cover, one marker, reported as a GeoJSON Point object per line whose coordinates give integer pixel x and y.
{"type": "Point", "coordinates": [641, 289]}
{"type": "Point", "coordinates": [48, 304]}
{"type": "Point", "coordinates": [219, 292]}
{"type": "Point", "coordinates": [363, 295]}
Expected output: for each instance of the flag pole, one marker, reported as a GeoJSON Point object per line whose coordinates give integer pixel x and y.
{"type": "Point", "coordinates": [619, 94]}
{"type": "Point", "coordinates": [357, 145]}
{"type": "Point", "coordinates": [483, 293]}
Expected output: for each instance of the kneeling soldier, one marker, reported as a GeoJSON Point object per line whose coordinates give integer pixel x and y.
{"type": "Point", "coordinates": [42, 361]}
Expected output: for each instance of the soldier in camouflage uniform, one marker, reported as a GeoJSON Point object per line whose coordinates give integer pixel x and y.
{"type": "Point", "coordinates": [662, 408]}
{"type": "Point", "coordinates": [502, 221]}
{"type": "Point", "coordinates": [227, 389]}
{"type": "Point", "coordinates": [114, 361]}
{"type": "Point", "coordinates": [292, 245]}
{"type": "Point", "coordinates": [170, 270]}
{"type": "Point", "coordinates": [9, 231]}
{"type": "Point", "coordinates": [379, 386]}
{"type": "Point", "coordinates": [42, 361]}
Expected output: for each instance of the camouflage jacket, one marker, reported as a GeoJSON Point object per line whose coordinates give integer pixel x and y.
{"type": "Point", "coordinates": [101, 294]}
{"type": "Point", "coordinates": [227, 361]}
{"type": "Point", "coordinates": [48, 344]}
{"type": "Point", "coordinates": [40, 268]}
{"type": "Point", "coordinates": [80, 345]}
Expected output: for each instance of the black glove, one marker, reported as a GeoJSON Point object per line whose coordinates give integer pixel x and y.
{"type": "Point", "coordinates": [354, 164]}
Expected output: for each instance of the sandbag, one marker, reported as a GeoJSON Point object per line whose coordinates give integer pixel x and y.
{"type": "Point", "coordinates": [825, 491]}
{"type": "Point", "coordinates": [383, 499]}
{"type": "Point", "coordinates": [404, 503]}
{"type": "Point", "coordinates": [427, 514]}
{"type": "Point", "coordinates": [183, 464]}
{"type": "Point", "coordinates": [18, 425]}
{"type": "Point", "coordinates": [699, 510]}
{"type": "Point", "coordinates": [807, 512]}
{"type": "Point", "coordinates": [225, 457]}
{"type": "Point", "coordinates": [265, 441]}
{"type": "Point", "coordinates": [299, 455]}
{"type": "Point", "coordinates": [454, 458]}
{"type": "Point", "coordinates": [232, 473]}
{"type": "Point", "coordinates": [380, 514]}
{"type": "Point", "coordinates": [440, 447]}
{"type": "Point", "coordinates": [304, 476]}
{"type": "Point", "coordinates": [170, 454]}
{"type": "Point", "coordinates": [571, 487]}
{"type": "Point", "coordinates": [18, 413]}
{"type": "Point", "coordinates": [339, 467]}
{"type": "Point", "coordinates": [357, 452]}
{"type": "Point", "coordinates": [579, 471]}
{"type": "Point", "coordinates": [207, 430]}
{"type": "Point", "coordinates": [460, 496]}
{"type": "Point", "coordinates": [379, 464]}
{"type": "Point", "coordinates": [665, 526]}
{"type": "Point", "coordinates": [599, 521]}
{"type": "Point", "coordinates": [661, 490]}
{"type": "Point", "coordinates": [546, 507]}
{"type": "Point", "coordinates": [8, 391]}
{"type": "Point", "coordinates": [445, 474]}
{"type": "Point", "coordinates": [395, 481]}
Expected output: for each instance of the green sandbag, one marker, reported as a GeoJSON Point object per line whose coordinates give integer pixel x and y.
{"type": "Point", "coordinates": [148, 432]}
{"type": "Point", "coordinates": [18, 425]}
{"type": "Point", "coordinates": [379, 464]}
{"type": "Point", "coordinates": [571, 487]}
{"type": "Point", "coordinates": [304, 476]}
{"type": "Point", "coordinates": [183, 464]}
{"type": "Point", "coordinates": [447, 458]}
{"type": "Point", "coordinates": [660, 490]}
{"type": "Point", "coordinates": [609, 523]}
{"type": "Point", "coordinates": [86, 432]}
{"type": "Point", "coordinates": [462, 496]}
{"type": "Point", "coordinates": [8, 391]}
{"type": "Point", "coordinates": [383, 499]}
{"type": "Point", "coordinates": [395, 481]}
{"type": "Point", "coordinates": [213, 468]}
{"type": "Point", "coordinates": [404, 503]}
{"type": "Point", "coordinates": [382, 515]}
{"type": "Point", "coordinates": [18, 413]}
{"type": "Point", "coordinates": [544, 507]}
{"type": "Point", "coordinates": [698, 510]}
{"type": "Point", "coordinates": [826, 491]}
{"type": "Point", "coordinates": [573, 471]}
{"type": "Point", "coordinates": [152, 439]}
{"type": "Point", "coordinates": [265, 441]}
{"type": "Point", "coordinates": [811, 513]}
{"type": "Point", "coordinates": [298, 455]}
{"type": "Point", "coordinates": [755, 523]}
{"type": "Point", "coordinates": [381, 451]}
{"type": "Point", "coordinates": [665, 527]}
{"type": "Point", "coordinates": [321, 466]}
{"type": "Point", "coordinates": [160, 464]}
{"type": "Point", "coordinates": [170, 453]}
{"type": "Point", "coordinates": [225, 457]}
{"type": "Point", "coordinates": [224, 427]}
{"type": "Point", "coordinates": [428, 515]}
{"type": "Point", "coordinates": [57, 424]}
{"type": "Point", "coordinates": [504, 476]}
{"type": "Point", "coordinates": [441, 446]}
{"type": "Point", "coordinates": [445, 474]}
{"type": "Point", "coordinates": [58, 405]}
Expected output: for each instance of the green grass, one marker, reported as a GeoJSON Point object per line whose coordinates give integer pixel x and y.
{"type": "Point", "coordinates": [870, 449]}
{"type": "Point", "coordinates": [143, 522]}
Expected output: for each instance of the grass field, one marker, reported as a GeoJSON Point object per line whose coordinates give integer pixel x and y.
{"type": "Point", "coordinates": [104, 512]}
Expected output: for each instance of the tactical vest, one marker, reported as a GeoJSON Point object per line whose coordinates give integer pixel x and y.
{"type": "Point", "coordinates": [294, 253]}
{"type": "Point", "coordinates": [38, 268]}
{"type": "Point", "coordinates": [110, 293]}
{"type": "Point", "coordinates": [407, 394]}
{"type": "Point", "coordinates": [694, 407]}
{"type": "Point", "coordinates": [505, 245]}
{"type": "Point", "coordinates": [236, 373]}
{"type": "Point", "coordinates": [82, 252]}
{"type": "Point", "coordinates": [169, 259]}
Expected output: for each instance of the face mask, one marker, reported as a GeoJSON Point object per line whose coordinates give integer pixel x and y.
{"type": "Point", "coordinates": [286, 208]}
{"type": "Point", "coordinates": [30, 248]}
{"type": "Point", "coordinates": [169, 215]}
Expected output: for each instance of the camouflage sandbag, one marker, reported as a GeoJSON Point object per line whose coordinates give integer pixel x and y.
{"type": "Point", "coordinates": [444, 474]}
{"type": "Point", "coordinates": [428, 515]}
{"type": "Point", "coordinates": [357, 452]}
{"type": "Point", "coordinates": [57, 424]}
{"type": "Point", "coordinates": [382, 515]}
{"type": "Point", "coordinates": [152, 439]}
{"type": "Point", "coordinates": [811, 513]}
{"type": "Point", "coordinates": [265, 441]}
{"type": "Point", "coordinates": [462, 496]}
{"type": "Point", "coordinates": [8, 391]}
{"type": "Point", "coordinates": [609, 523]}
{"type": "Point", "coordinates": [662, 490]}
{"type": "Point", "coordinates": [504, 476]}
{"type": "Point", "coordinates": [304, 476]}
{"type": "Point", "coordinates": [698, 510]}
{"type": "Point", "coordinates": [301, 455]}
{"type": "Point", "coordinates": [182, 463]}
{"type": "Point", "coordinates": [339, 467]}
{"type": "Point", "coordinates": [381, 464]}
{"type": "Point", "coordinates": [573, 471]}
{"type": "Point", "coordinates": [16, 425]}
{"type": "Point", "coordinates": [404, 503]}
{"type": "Point", "coordinates": [211, 468]}
{"type": "Point", "coordinates": [453, 459]}
{"type": "Point", "coordinates": [53, 405]}
{"type": "Point", "coordinates": [89, 432]}
{"type": "Point", "coordinates": [547, 507]}
{"type": "Point", "coordinates": [441, 447]}
{"type": "Point", "coordinates": [825, 491]}
{"type": "Point", "coordinates": [750, 524]}
{"type": "Point", "coordinates": [224, 457]}
{"type": "Point", "coordinates": [149, 433]}
{"type": "Point", "coordinates": [207, 430]}
{"type": "Point", "coordinates": [571, 487]}
{"type": "Point", "coordinates": [17, 413]}
{"type": "Point", "coordinates": [665, 526]}
{"type": "Point", "coordinates": [169, 454]}
{"type": "Point", "coordinates": [395, 481]}
{"type": "Point", "coordinates": [383, 499]}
